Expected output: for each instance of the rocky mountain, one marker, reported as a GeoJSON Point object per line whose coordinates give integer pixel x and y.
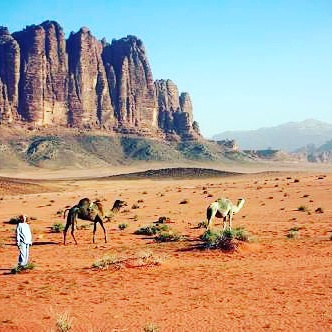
{"type": "Point", "coordinates": [47, 80]}
{"type": "Point", "coordinates": [287, 137]}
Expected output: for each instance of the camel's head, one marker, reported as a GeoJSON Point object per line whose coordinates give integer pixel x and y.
{"type": "Point", "coordinates": [119, 204]}
{"type": "Point", "coordinates": [240, 202]}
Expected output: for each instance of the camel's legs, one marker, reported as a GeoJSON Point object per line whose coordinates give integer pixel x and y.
{"type": "Point", "coordinates": [70, 222]}
{"type": "Point", "coordinates": [98, 220]}
{"type": "Point", "coordinates": [210, 213]}
{"type": "Point", "coordinates": [230, 220]}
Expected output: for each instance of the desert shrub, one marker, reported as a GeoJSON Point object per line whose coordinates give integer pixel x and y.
{"type": "Point", "coordinates": [168, 236]}
{"type": "Point", "coordinates": [150, 327]}
{"type": "Point", "coordinates": [135, 206]}
{"type": "Point", "coordinates": [151, 229]}
{"type": "Point", "coordinates": [226, 240]}
{"type": "Point", "coordinates": [202, 224]}
{"type": "Point", "coordinates": [240, 234]}
{"type": "Point", "coordinates": [64, 322]}
{"type": "Point", "coordinates": [147, 258]}
{"type": "Point", "coordinates": [123, 226]}
{"type": "Point", "coordinates": [57, 227]}
{"type": "Point", "coordinates": [184, 201]}
{"type": "Point", "coordinates": [319, 210]}
{"type": "Point", "coordinates": [108, 261]}
{"type": "Point", "coordinates": [19, 269]}
{"type": "Point", "coordinates": [293, 232]}
{"type": "Point", "coordinates": [302, 208]}
{"type": "Point", "coordinates": [209, 238]}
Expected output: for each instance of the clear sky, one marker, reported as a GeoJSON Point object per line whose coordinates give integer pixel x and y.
{"type": "Point", "coordinates": [246, 64]}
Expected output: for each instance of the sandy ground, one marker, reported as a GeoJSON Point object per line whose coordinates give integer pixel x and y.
{"type": "Point", "coordinates": [272, 283]}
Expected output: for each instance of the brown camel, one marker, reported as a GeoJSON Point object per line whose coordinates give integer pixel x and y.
{"type": "Point", "coordinates": [92, 211]}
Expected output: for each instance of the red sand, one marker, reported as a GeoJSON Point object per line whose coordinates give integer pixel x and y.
{"type": "Point", "coordinates": [273, 283]}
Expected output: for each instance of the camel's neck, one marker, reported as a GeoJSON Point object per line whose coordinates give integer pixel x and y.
{"type": "Point", "coordinates": [237, 208]}
{"type": "Point", "coordinates": [115, 209]}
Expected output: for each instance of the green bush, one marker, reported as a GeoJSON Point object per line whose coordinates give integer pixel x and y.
{"type": "Point", "coordinates": [57, 227]}
{"type": "Point", "coordinates": [226, 240]}
{"type": "Point", "coordinates": [123, 226]}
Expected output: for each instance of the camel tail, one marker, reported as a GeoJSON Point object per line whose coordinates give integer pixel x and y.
{"type": "Point", "coordinates": [64, 214]}
{"type": "Point", "coordinates": [209, 213]}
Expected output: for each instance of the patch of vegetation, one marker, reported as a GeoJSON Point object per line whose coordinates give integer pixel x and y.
{"type": "Point", "coordinates": [303, 208]}
{"type": "Point", "coordinates": [168, 236]}
{"type": "Point", "coordinates": [57, 228]}
{"type": "Point", "coordinates": [147, 258]}
{"type": "Point", "coordinates": [64, 322]}
{"type": "Point", "coordinates": [122, 226]}
{"type": "Point", "coordinates": [293, 232]}
{"type": "Point", "coordinates": [319, 210]}
{"type": "Point", "coordinates": [152, 229]}
{"type": "Point", "coordinates": [19, 269]}
{"type": "Point", "coordinates": [108, 261]}
{"type": "Point", "coordinates": [226, 240]}
{"type": "Point", "coordinates": [142, 259]}
{"type": "Point", "coordinates": [151, 327]}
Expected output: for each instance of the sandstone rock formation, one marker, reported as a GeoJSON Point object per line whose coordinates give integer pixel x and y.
{"type": "Point", "coordinates": [9, 76]}
{"type": "Point", "coordinates": [81, 82]}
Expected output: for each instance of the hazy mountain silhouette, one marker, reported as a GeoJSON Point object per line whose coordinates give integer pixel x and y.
{"type": "Point", "coordinates": [288, 137]}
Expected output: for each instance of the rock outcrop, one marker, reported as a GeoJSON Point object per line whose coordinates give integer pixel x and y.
{"type": "Point", "coordinates": [82, 82]}
{"type": "Point", "coordinates": [175, 112]}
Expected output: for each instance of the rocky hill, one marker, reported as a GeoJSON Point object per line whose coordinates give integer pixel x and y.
{"type": "Point", "coordinates": [47, 80]}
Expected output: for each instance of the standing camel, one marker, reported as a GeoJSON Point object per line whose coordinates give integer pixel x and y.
{"type": "Point", "coordinates": [223, 208]}
{"type": "Point", "coordinates": [92, 211]}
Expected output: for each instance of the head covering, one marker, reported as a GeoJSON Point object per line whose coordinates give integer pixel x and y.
{"type": "Point", "coordinates": [23, 217]}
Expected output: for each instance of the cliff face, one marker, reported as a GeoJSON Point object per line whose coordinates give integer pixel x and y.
{"type": "Point", "coordinates": [81, 82]}
{"type": "Point", "coordinates": [9, 76]}
{"type": "Point", "coordinates": [135, 105]}
{"type": "Point", "coordinates": [43, 74]}
{"type": "Point", "coordinates": [89, 99]}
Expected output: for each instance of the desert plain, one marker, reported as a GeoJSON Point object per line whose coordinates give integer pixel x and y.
{"type": "Point", "coordinates": [281, 280]}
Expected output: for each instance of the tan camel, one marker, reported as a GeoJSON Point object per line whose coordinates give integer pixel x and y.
{"type": "Point", "coordinates": [223, 208]}
{"type": "Point", "coordinates": [92, 211]}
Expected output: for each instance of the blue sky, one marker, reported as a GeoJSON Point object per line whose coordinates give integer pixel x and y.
{"type": "Point", "coordinates": [246, 64]}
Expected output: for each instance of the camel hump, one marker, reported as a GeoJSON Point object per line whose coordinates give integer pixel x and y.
{"type": "Point", "coordinates": [223, 203]}
{"type": "Point", "coordinates": [99, 206]}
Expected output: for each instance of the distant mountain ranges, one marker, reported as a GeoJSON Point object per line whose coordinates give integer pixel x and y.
{"type": "Point", "coordinates": [309, 136]}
